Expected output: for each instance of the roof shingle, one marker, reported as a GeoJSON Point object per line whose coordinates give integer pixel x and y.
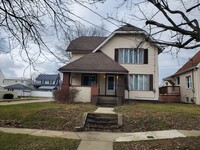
{"type": "Point", "coordinates": [96, 62]}
{"type": "Point", "coordinates": [193, 62]}
{"type": "Point", "coordinates": [85, 43]}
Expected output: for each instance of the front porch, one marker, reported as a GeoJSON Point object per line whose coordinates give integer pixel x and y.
{"type": "Point", "coordinates": [97, 88]}
{"type": "Point", "coordinates": [95, 74]}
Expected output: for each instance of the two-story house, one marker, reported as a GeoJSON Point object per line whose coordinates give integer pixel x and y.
{"type": "Point", "coordinates": [123, 65]}
{"type": "Point", "coordinates": [47, 82]}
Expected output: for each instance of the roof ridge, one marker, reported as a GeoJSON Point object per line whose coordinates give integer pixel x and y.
{"type": "Point", "coordinates": [192, 62]}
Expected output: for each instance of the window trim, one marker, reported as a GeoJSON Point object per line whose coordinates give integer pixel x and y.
{"type": "Point", "coordinates": [149, 78]}
{"type": "Point", "coordinates": [188, 82]}
{"type": "Point", "coordinates": [144, 56]}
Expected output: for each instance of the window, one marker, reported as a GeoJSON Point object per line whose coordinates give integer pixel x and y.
{"type": "Point", "coordinates": [89, 79]}
{"type": "Point", "coordinates": [177, 80]}
{"type": "Point", "coordinates": [139, 82]}
{"type": "Point", "coordinates": [42, 82]}
{"type": "Point", "coordinates": [50, 82]}
{"type": "Point", "coordinates": [128, 56]}
{"type": "Point", "coordinates": [188, 81]}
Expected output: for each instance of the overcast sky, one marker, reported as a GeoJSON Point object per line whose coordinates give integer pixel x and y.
{"type": "Point", "coordinates": [12, 66]}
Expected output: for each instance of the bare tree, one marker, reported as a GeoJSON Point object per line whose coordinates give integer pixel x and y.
{"type": "Point", "coordinates": [74, 32]}
{"type": "Point", "coordinates": [29, 21]}
{"type": "Point", "coordinates": [177, 19]}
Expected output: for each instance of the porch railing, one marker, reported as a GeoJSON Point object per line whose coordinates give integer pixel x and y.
{"type": "Point", "coordinates": [169, 90]}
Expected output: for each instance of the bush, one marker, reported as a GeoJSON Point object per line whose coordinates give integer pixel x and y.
{"type": "Point", "coordinates": [65, 96]}
{"type": "Point", "coordinates": [8, 96]}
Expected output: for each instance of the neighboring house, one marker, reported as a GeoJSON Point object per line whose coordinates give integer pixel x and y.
{"type": "Point", "coordinates": [2, 77]}
{"type": "Point", "coordinates": [165, 83]}
{"type": "Point", "coordinates": [47, 82]}
{"type": "Point", "coordinates": [12, 81]}
{"type": "Point", "coordinates": [21, 89]}
{"type": "Point", "coordinates": [123, 65]}
{"type": "Point", "coordinates": [188, 79]}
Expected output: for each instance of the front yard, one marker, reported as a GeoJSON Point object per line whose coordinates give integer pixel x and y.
{"type": "Point", "coordinates": [51, 116]}
{"type": "Point", "coordinates": [138, 117]}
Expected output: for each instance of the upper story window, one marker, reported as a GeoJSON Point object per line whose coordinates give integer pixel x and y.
{"type": "Point", "coordinates": [188, 81]}
{"type": "Point", "coordinates": [42, 82]}
{"type": "Point", "coordinates": [131, 56]}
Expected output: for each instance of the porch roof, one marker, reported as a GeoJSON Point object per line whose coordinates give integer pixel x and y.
{"type": "Point", "coordinates": [96, 62]}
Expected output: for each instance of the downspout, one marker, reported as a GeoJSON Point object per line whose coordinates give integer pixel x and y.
{"type": "Point", "coordinates": [154, 72]}
{"type": "Point", "coordinates": [193, 89]}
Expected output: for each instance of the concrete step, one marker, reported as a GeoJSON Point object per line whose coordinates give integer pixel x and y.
{"type": "Point", "coordinates": [107, 101]}
{"type": "Point", "coordinates": [98, 122]}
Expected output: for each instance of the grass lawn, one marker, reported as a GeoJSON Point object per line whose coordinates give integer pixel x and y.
{"type": "Point", "coordinates": [53, 116]}
{"type": "Point", "coordinates": [159, 116]}
{"type": "Point", "coordinates": [28, 142]}
{"type": "Point", "coordinates": [189, 143]}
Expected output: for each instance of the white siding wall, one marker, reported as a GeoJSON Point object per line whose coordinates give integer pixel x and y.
{"type": "Point", "coordinates": [188, 92]}
{"type": "Point", "coordinates": [84, 94]}
{"type": "Point", "coordinates": [130, 41]}
{"type": "Point", "coordinates": [76, 79]}
{"type": "Point", "coordinates": [197, 82]}
{"type": "Point", "coordinates": [76, 56]}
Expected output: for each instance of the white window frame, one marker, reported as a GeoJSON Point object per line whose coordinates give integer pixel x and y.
{"type": "Point", "coordinates": [138, 78]}
{"type": "Point", "coordinates": [137, 57]}
{"type": "Point", "coordinates": [188, 82]}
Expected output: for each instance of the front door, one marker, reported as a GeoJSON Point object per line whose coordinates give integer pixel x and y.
{"type": "Point", "coordinates": [110, 85]}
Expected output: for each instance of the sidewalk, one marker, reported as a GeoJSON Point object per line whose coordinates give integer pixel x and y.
{"type": "Point", "coordinates": [25, 101]}
{"type": "Point", "coordinates": [104, 140]}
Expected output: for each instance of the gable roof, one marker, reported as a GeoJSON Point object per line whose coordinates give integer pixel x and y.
{"type": "Point", "coordinates": [130, 29]}
{"type": "Point", "coordinates": [47, 77]}
{"type": "Point", "coordinates": [193, 62]}
{"type": "Point", "coordinates": [85, 43]}
{"type": "Point", "coordinates": [96, 62]}
{"type": "Point", "coordinates": [17, 87]}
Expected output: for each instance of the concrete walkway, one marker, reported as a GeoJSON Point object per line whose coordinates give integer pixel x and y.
{"type": "Point", "coordinates": [106, 110]}
{"type": "Point", "coordinates": [104, 140]}
{"type": "Point", "coordinates": [25, 101]}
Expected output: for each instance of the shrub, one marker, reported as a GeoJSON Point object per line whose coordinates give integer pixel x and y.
{"type": "Point", "coordinates": [65, 96]}
{"type": "Point", "coordinates": [8, 96]}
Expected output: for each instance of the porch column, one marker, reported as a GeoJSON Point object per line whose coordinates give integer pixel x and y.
{"type": "Point", "coordinates": [121, 86]}
{"type": "Point", "coordinates": [66, 82]}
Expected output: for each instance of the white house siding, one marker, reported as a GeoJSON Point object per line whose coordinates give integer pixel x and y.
{"type": "Point", "coordinates": [132, 41]}
{"type": "Point", "coordinates": [197, 79]}
{"type": "Point", "coordinates": [76, 56]}
{"type": "Point", "coordinates": [84, 94]}
{"type": "Point", "coordinates": [188, 92]}
{"type": "Point", "coordinates": [75, 79]}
